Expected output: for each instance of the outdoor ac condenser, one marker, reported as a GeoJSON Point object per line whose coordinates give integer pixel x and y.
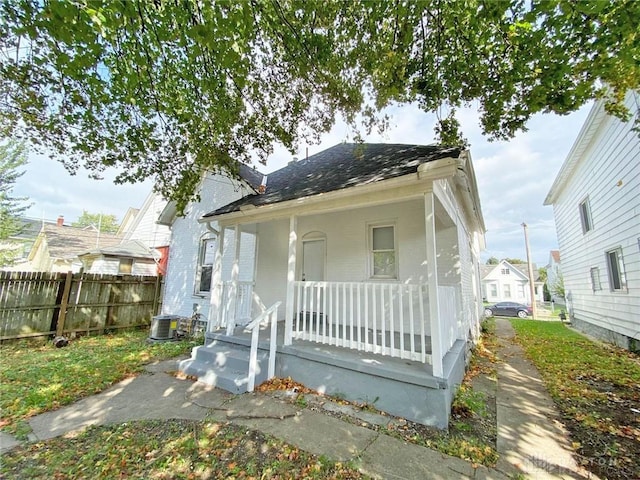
{"type": "Point", "coordinates": [163, 327]}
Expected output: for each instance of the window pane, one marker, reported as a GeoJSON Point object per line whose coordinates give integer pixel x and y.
{"type": "Point", "coordinates": [209, 253]}
{"type": "Point", "coordinates": [383, 238]}
{"type": "Point", "coordinates": [205, 278]}
{"type": "Point", "coordinates": [125, 266]}
{"type": "Point", "coordinates": [384, 264]}
{"type": "Point", "coordinates": [614, 270]}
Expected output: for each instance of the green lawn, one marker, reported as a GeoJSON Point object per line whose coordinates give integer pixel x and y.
{"type": "Point", "coordinates": [35, 379]}
{"type": "Point", "coordinates": [597, 390]}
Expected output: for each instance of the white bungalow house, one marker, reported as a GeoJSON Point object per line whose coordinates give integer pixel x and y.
{"type": "Point", "coordinates": [596, 205]}
{"type": "Point", "coordinates": [371, 253]}
{"type": "Point", "coordinates": [507, 282]}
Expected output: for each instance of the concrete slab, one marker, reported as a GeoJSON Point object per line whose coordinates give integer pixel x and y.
{"type": "Point", "coordinates": [7, 442]}
{"type": "Point", "coordinates": [147, 396]}
{"type": "Point", "coordinates": [530, 437]}
{"type": "Point", "coordinates": [390, 458]}
{"type": "Point", "coordinates": [311, 431]}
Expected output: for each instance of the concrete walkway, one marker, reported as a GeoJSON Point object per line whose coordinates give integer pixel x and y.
{"type": "Point", "coordinates": [528, 440]}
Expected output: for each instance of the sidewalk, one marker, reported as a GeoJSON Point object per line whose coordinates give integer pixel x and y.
{"type": "Point", "coordinates": [528, 441]}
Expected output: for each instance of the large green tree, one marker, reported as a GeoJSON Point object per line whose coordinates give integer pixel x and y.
{"type": "Point", "coordinates": [105, 223]}
{"type": "Point", "coordinates": [12, 158]}
{"type": "Point", "coordinates": [168, 89]}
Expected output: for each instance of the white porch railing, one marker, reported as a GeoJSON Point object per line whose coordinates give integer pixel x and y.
{"type": "Point", "coordinates": [385, 318]}
{"type": "Point", "coordinates": [243, 301]}
{"type": "Point", "coordinates": [269, 315]}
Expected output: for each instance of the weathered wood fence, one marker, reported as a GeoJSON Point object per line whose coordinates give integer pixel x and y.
{"type": "Point", "coordinates": [34, 304]}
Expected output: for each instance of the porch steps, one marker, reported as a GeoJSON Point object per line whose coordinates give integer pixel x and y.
{"type": "Point", "coordinates": [224, 365]}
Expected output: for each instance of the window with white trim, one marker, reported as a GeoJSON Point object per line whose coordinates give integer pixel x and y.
{"type": "Point", "coordinates": [615, 267]}
{"type": "Point", "coordinates": [506, 290]}
{"type": "Point", "coordinates": [383, 258]}
{"type": "Point", "coordinates": [585, 215]}
{"type": "Point", "coordinates": [505, 271]}
{"type": "Point", "coordinates": [595, 279]}
{"type": "Point", "coordinates": [206, 257]}
{"type": "Point", "coordinates": [493, 290]}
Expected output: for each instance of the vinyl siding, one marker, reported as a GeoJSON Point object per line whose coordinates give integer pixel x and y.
{"type": "Point", "coordinates": [609, 174]}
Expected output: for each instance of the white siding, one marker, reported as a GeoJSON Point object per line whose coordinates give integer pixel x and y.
{"type": "Point", "coordinates": [145, 228]}
{"type": "Point", "coordinates": [608, 173]}
{"type": "Point", "coordinates": [515, 281]}
{"type": "Point", "coordinates": [186, 234]}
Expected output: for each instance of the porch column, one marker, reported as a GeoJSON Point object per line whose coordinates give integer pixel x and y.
{"type": "Point", "coordinates": [291, 277]}
{"type": "Point", "coordinates": [432, 285]}
{"type": "Point", "coordinates": [215, 310]}
{"type": "Point", "coordinates": [233, 294]}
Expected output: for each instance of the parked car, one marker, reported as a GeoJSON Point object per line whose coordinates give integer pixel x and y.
{"type": "Point", "coordinates": [508, 309]}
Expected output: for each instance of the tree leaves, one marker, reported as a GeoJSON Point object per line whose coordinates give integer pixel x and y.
{"type": "Point", "coordinates": [172, 89]}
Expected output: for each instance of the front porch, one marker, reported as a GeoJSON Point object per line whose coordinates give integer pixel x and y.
{"type": "Point", "coordinates": [401, 387]}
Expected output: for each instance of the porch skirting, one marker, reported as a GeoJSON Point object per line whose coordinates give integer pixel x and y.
{"type": "Point", "coordinates": [399, 387]}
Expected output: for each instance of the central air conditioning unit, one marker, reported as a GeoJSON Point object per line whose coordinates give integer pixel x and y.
{"type": "Point", "coordinates": [164, 328]}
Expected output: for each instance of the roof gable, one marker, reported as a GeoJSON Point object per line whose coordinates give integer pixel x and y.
{"type": "Point", "coordinates": [342, 166]}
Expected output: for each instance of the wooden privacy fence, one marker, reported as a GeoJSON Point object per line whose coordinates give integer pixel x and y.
{"type": "Point", "coordinates": [34, 304]}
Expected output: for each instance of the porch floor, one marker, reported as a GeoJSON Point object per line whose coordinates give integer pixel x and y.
{"type": "Point", "coordinates": [373, 363]}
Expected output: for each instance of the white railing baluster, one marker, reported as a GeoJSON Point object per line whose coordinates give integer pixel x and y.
{"type": "Point", "coordinates": [423, 338]}
{"type": "Point", "coordinates": [366, 316]}
{"type": "Point", "coordinates": [412, 333]}
{"type": "Point", "coordinates": [392, 335]}
{"type": "Point", "coordinates": [401, 320]}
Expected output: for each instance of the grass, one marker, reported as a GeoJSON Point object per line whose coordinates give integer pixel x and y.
{"type": "Point", "coordinates": [38, 378]}
{"type": "Point", "coordinates": [596, 388]}
{"type": "Point", "coordinates": [169, 449]}
{"type": "Point", "coordinates": [35, 379]}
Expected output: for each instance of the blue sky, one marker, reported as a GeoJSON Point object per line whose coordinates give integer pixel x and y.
{"type": "Point", "coordinates": [513, 177]}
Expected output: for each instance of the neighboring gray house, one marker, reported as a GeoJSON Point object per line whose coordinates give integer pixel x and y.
{"type": "Point", "coordinates": [507, 282]}
{"type": "Point", "coordinates": [372, 252]}
{"type": "Point", "coordinates": [596, 205]}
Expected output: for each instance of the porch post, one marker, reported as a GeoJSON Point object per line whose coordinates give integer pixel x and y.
{"type": "Point", "coordinates": [291, 277]}
{"type": "Point", "coordinates": [215, 309]}
{"type": "Point", "coordinates": [233, 294]}
{"type": "Point", "coordinates": [432, 285]}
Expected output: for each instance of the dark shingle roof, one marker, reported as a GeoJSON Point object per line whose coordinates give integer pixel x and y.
{"type": "Point", "coordinates": [342, 166]}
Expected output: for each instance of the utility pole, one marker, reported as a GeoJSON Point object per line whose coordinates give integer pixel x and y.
{"type": "Point", "coordinates": [532, 288]}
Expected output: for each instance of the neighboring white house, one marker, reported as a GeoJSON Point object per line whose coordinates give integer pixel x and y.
{"type": "Point", "coordinates": [192, 246]}
{"type": "Point", "coordinates": [554, 276]}
{"type": "Point", "coordinates": [596, 205]}
{"type": "Point", "coordinates": [373, 251]}
{"type": "Point", "coordinates": [143, 226]}
{"type": "Point", "coordinates": [507, 282]}
{"type": "Point", "coordinates": [130, 257]}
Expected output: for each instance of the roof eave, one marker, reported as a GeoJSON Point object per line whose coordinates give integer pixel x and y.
{"type": "Point", "coordinates": [582, 142]}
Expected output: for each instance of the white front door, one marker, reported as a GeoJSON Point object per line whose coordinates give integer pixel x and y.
{"type": "Point", "coordinates": [313, 259]}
